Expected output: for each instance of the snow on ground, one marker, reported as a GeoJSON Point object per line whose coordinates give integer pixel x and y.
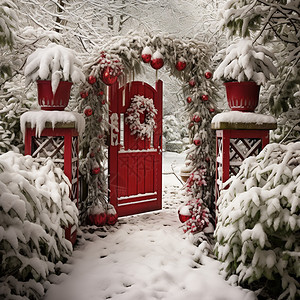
{"type": "Point", "coordinates": [145, 256]}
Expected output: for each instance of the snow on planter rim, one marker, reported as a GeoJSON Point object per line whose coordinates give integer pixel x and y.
{"type": "Point", "coordinates": [38, 120]}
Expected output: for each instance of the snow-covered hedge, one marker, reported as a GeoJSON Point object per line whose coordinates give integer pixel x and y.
{"type": "Point", "coordinates": [34, 208]}
{"type": "Point", "coordinates": [258, 229]}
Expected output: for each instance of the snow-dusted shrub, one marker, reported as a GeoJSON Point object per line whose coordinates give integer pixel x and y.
{"type": "Point", "coordinates": [34, 208]}
{"type": "Point", "coordinates": [243, 61]}
{"type": "Point", "coordinates": [258, 229]}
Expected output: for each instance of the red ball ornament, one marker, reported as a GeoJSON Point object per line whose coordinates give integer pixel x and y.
{"type": "Point", "coordinates": [197, 142]}
{"type": "Point", "coordinates": [157, 61]}
{"type": "Point", "coordinates": [92, 79]}
{"type": "Point", "coordinates": [146, 54]}
{"type": "Point", "coordinates": [106, 76]}
{"type": "Point", "coordinates": [189, 100]}
{"type": "Point", "coordinates": [181, 64]}
{"type": "Point", "coordinates": [204, 97]}
{"type": "Point", "coordinates": [192, 83]}
{"type": "Point", "coordinates": [211, 110]}
{"type": "Point", "coordinates": [88, 111]}
{"type": "Point", "coordinates": [112, 215]}
{"type": "Point", "coordinates": [183, 218]}
{"type": "Point", "coordinates": [208, 75]}
{"type": "Point", "coordinates": [84, 94]}
{"type": "Point", "coordinates": [96, 170]}
{"type": "Point", "coordinates": [98, 219]}
{"type": "Point", "coordinates": [196, 118]}
{"type": "Point", "coordinates": [112, 219]}
{"type": "Point", "coordinates": [103, 101]}
{"type": "Point", "coordinates": [100, 93]}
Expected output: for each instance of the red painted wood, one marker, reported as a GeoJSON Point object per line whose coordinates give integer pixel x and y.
{"type": "Point", "coordinates": [135, 172]}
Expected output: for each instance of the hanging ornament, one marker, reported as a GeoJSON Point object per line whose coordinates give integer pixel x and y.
{"type": "Point", "coordinates": [184, 213]}
{"type": "Point", "coordinates": [189, 100]}
{"type": "Point", "coordinates": [181, 64]}
{"type": "Point", "coordinates": [208, 75]}
{"type": "Point", "coordinates": [101, 93]}
{"type": "Point", "coordinates": [107, 77]}
{"type": "Point", "coordinates": [157, 61]}
{"type": "Point", "coordinates": [84, 94]}
{"type": "Point", "coordinates": [146, 54]}
{"type": "Point", "coordinates": [192, 82]}
{"type": "Point", "coordinates": [88, 111]}
{"type": "Point", "coordinates": [204, 97]}
{"type": "Point", "coordinates": [97, 215]}
{"type": "Point", "coordinates": [92, 79]}
{"type": "Point", "coordinates": [111, 215]}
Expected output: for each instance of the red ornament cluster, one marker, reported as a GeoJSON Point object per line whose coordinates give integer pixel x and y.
{"type": "Point", "coordinates": [156, 60]}
{"type": "Point", "coordinates": [109, 217]}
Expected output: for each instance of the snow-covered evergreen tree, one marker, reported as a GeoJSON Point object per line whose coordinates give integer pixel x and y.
{"type": "Point", "coordinates": [258, 228]}
{"type": "Point", "coordinates": [276, 24]}
{"type": "Point", "coordinates": [34, 210]}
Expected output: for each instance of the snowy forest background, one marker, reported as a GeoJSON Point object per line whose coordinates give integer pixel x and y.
{"type": "Point", "coordinates": [85, 25]}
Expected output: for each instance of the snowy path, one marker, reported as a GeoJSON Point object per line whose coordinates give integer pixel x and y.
{"type": "Point", "coordinates": [145, 256]}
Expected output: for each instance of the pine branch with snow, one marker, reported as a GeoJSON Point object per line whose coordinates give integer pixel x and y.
{"type": "Point", "coordinates": [258, 222]}
{"type": "Point", "coordinates": [34, 210]}
{"type": "Point", "coordinates": [243, 62]}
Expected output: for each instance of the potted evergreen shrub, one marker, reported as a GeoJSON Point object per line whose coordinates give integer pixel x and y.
{"type": "Point", "coordinates": [244, 69]}
{"type": "Point", "coordinates": [54, 68]}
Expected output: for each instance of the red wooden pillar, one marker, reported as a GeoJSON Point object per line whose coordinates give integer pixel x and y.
{"type": "Point", "coordinates": [61, 144]}
{"type": "Point", "coordinates": [235, 141]}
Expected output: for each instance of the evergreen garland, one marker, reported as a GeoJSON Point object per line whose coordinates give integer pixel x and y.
{"type": "Point", "coordinates": [203, 92]}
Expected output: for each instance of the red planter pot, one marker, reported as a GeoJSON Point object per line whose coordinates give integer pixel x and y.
{"type": "Point", "coordinates": [242, 96]}
{"type": "Point", "coordinates": [59, 100]}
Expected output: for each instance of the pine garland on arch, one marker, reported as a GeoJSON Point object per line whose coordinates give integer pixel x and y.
{"type": "Point", "coordinates": [188, 60]}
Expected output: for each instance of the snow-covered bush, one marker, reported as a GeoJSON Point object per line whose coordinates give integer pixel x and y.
{"type": "Point", "coordinates": [34, 208]}
{"type": "Point", "coordinates": [258, 229]}
{"type": "Point", "coordinates": [243, 61]}
{"type": "Point", "coordinates": [54, 62]}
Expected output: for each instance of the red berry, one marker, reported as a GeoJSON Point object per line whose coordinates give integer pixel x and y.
{"type": "Point", "coordinates": [96, 171]}
{"type": "Point", "coordinates": [204, 97]}
{"type": "Point", "coordinates": [180, 65]}
{"type": "Point", "coordinates": [197, 142]}
{"type": "Point", "coordinates": [192, 83]}
{"type": "Point", "coordinates": [208, 75]}
{"type": "Point", "coordinates": [92, 79]}
{"type": "Point", "coordinates": [189, 99]}
{"type": "Point", "coordinates": [196, 118]}
{"type": "Point", "coordinates": [84, 94]}
{"type": "Point", "coordinates": [88, 112]}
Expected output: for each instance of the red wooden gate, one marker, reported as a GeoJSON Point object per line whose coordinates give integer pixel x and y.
{"type": "Point", "coordinates": [135, 165]}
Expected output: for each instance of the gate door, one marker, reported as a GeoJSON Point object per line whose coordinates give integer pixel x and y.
{"type": "Point", "coordinates": [135, 165]}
